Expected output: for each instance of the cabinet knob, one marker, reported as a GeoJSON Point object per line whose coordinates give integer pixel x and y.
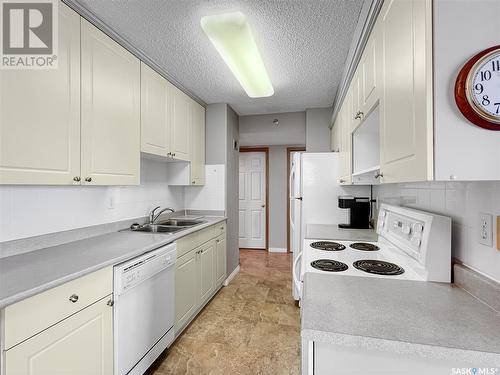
{"type": "Point", "coordinates": [73, 298]}
{"type": "Point", "coordinates": [88, 179]}
{"type": "Point", "coordinates": [193, 182]}
{"type": "Point", "coordinates": [359, 115]}
{"type": "Point", "coordinates": [76, 178]}
{"type": "Point", "coordinates": [379, 174]}
{"type": "Point", "coordinates": [341, 181]}
{"type": "Point", "coordinates": [110, 302]}
{"type": "Point", "coordinates": [173, 154]}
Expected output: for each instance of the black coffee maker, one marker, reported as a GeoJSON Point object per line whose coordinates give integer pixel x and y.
{"type": "Point", "coordinates": [358, 211]}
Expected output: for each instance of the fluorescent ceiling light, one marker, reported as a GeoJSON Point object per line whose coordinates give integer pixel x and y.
{"type": "Point", "coordinates": [231, 35]}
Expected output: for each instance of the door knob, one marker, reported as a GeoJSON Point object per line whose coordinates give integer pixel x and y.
{"type": "Point", "coordinates": [263, 205]}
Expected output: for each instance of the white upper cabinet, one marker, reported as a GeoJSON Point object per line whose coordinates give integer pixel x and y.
{"type": "Point", "coordinates": [197, 144]}
{"type": "Point", "coordinates": [40, 115]}
{"type": "Point", "coordinates": [406, 106]}
{"type": "Point", "coordinates": [155, 112]}
{"type": "Point", "coordinates": [110, 116]}
{"type": "Point", "coordinates": [181, 125]}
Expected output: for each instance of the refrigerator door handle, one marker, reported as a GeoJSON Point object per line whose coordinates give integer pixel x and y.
{"type": "Point", "coordinates": [292, 224]}
{"type": "Point", "coordinates": [292, 174]}
{"type": "Point", "coordinates": [295, 276]}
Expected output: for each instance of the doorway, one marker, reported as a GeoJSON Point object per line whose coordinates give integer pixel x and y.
{"type": "Point", "coordinates": [253, 198]}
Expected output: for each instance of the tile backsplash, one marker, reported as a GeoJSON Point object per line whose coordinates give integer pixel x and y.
{"type": "Point", "coordinates": [463, 202]}
{"type": "Point", "coordinates": [27, 211]}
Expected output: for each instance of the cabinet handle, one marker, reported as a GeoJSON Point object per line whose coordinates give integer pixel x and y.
{"type": "Point", "coordinates": [88, 179]}
{"type": "Point", "coordinates": [110, 302]}
{"type": "Point", "coordinates": [73, 298]}
{"type": "Point", "coordinates": [76, 178]}
{"type": "Point", "coordinates": [379, 175]}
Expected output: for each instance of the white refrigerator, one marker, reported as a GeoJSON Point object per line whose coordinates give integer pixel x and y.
{"type": "Point", "coordinates": [314, 192]}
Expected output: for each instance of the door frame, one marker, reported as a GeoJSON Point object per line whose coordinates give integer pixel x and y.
{"type": "Point", "coordinates": [289, 151]}
{"type": "Point", "coordinates": [264, 149]}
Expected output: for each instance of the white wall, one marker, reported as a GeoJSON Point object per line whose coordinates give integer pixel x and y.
{"type": "Point", "coordinates": [27, 211]}
{"type": "Point", "coordinates": [259, 130]}
{"type": "Point", "coordinates": [317, 130]}
{"type": "Point", "coordinates": [463, 202]}
{"type": "Point", "coordinates": [278, 199]}
{"type": "Point", "coordinates": [462, 29]}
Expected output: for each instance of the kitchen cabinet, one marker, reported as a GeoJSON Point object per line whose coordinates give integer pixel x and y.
{"type": "Point", "coordinates": [110, 118]}
{"type": "Point", "coordinates": [206, 271]}
{"type": "Point", "coordinates": [80, 344]}
{"type": "Point", "coordinates": [406, 106]}
{"type": "Point", "coordinates": [197, 144]}
{"type": "Point", "coordinates": [220, 256]}
{"type": "Point", "coordinates": [40, 115]}
{"type": "Point", "coordinates": [200, 272]}
{"type": "Point", "coordinates": [186, 291]}
{"type": "Point", "coordinates": [63, 330]}
{"type": "Point", "coordinates": [181, 125]}
{"type": "Point", "coordinates": [394, 76]}
{"type": "Point", "coordinates": [156, 112]}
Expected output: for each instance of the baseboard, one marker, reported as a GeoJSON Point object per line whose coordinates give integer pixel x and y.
{"type": "Point", "coordinates": [278, 250]}
{"type": "Point", "coordinates": [231, 276]}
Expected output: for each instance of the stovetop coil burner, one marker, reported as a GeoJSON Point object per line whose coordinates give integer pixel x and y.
{"type": "Point", "coordinates": [329, 265]}
{"type": "Point", "coordinates": [378, 267]}
{"type": "Point", "coordinates": [364, 246]}
{"type": "Point", "coordinates": [327, 246]}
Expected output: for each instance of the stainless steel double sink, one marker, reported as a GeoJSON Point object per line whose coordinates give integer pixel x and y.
{"type": "Point", "coordinates": [167, 226]}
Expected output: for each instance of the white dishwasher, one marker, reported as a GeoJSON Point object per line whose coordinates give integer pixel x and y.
{"type": "Point", "coordinates": [143, 309]}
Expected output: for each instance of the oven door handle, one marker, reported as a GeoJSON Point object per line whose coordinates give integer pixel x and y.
{"type": "Point", "coordinates": [296, 277]}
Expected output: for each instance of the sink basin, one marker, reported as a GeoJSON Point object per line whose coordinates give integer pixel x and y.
{"type": "Point", "coordinates": [155, 228]}
{"type": "Point", "coordinates": [180, 222]}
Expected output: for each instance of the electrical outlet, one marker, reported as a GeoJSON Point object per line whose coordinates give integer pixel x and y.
{"type": "Point", "coordinates": [486, 229]}
{"type": "Point", "coordinates": [111, 203]}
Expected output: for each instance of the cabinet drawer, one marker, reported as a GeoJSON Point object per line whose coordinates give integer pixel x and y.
{"type": "Point", "coordinates": [220, 228]}
{"type": "Point", "coordinates": [188, 243]}
{"type": "Point", "coordinates": [32, 315]}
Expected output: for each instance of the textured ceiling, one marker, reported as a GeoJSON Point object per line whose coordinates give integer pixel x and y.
{"type": "Point", "coordinates": [304, 44]}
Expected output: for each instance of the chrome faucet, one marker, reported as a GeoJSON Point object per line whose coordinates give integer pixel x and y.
{"type": "Point", "coordinates": [153, 216]}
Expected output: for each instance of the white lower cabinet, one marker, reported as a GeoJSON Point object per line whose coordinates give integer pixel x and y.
{"type": "Point", "coordinates": [200, 272]}
{"type": "Point", "coordinates": [65, 330]}
{"type": "Point", "coordinates": [80, 344]}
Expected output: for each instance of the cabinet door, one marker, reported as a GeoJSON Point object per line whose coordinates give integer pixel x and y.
{"type": "Point", "coordinates": [206, 271]}
{"type": "Point", "coordinates": [40, 115]}
{"type": "Point", "coordinates": [110, 111]}
{"type": "Point", "coordinates": [345, 143]}
{"type": "Point", "coordinates": [369, 74]}
{"type": "Point", "coordinates": [406, 110]}
{"type": "Point", "coordinates": [186, 289]}
{"type": "Point", "coordinates": [198, 144]}
{"type": "Point", "coordinates": [220, 255]}
{"type": "Point", "coordinates": [81, 344]}
{"type": "Point", "coordinates": [181, 124]}
{"type": "Point", "coordinates": [155, 120]}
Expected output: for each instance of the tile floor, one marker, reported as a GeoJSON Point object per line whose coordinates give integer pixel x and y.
{"type": "Point", "coordinates": [250, 327]}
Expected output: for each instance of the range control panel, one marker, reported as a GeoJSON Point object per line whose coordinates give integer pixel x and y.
{"type": "Point", "coordinates": [408, 232]}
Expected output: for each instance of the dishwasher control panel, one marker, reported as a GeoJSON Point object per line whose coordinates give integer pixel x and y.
{"type": "Point", "coordinates": [133, 272]}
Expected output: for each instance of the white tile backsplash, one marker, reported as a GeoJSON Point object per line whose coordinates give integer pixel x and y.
{"type": "Point", "coordinates": [211, 196]}
{"type": "Point", "coordinates": [27, 211]}
{"type": "Point", "coordinates": [463, 202]}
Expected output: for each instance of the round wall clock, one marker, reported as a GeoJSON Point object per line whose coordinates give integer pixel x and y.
{"type": "Point", "coordinates": [477, 89]}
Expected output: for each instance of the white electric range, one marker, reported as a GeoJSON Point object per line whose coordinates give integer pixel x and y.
{"type": "Point", "coordinates": [412, 245]}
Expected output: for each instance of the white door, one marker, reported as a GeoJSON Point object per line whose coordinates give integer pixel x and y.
{"type": "Point", "coordinates": [252, 197]}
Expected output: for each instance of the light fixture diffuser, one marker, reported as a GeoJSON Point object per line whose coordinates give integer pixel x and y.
{"type": "Point", "coordinates": [231, 36]}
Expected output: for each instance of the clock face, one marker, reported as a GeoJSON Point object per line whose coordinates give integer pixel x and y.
{"type": "Point", "coordinates": [483, 87]}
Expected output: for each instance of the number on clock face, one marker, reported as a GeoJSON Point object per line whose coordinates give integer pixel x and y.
{"type": "Point", "coordinates": [486, 87]}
